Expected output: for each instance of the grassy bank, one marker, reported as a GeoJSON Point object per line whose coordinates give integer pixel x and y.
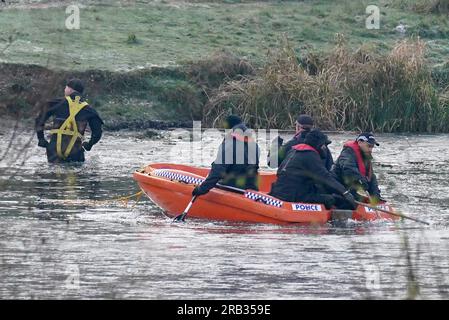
{"type": "Point", "coordinates": [135, 99]}
{"type": "Point", "coordinates": [163, 60]}
{"type": "Point", "coordinates": [127, 35]}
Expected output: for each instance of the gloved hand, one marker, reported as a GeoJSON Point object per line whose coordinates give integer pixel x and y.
{"type": "Point", "coordinates": [329, 201]}
{"type": "Point", "coordinates": [42, 143]}
{"type": "Point", "coordinates": [199, 191]}
{"type": "Point", "coordinates": [350, 199]}
{"type": "Point", "coordinates": [87, 146]}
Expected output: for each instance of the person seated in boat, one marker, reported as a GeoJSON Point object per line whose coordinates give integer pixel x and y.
{"type": "Point", "coordinates": [303, 125]}
{"type": "Point", "coordinates": [237, 161]}
{"type": "Point", "coordinates": [354, 168]}
{"type": "Point", "coordinates": [303, 177]}
{"type": "Point", "coordinates": [71, 115]}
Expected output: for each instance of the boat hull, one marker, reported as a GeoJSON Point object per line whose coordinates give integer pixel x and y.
{"type": "Point", "coordinates": [170, 187]}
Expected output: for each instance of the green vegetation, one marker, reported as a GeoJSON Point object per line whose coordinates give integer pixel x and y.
{"type": "Point", "coordinates": [180, 60]}
{"type": "Point", "coordinates": [345, 90]}
{"type": "Point", "coordinates": [170, 32]}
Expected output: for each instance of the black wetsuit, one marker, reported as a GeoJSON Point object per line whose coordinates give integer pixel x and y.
{"type": "Point", "coordinates": [303, 177]}
{"type": "Point", "coordinates": [59, 110]}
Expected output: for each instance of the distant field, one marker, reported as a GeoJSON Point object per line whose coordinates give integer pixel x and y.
{"type": "Point", "coordinates": [133, 34]}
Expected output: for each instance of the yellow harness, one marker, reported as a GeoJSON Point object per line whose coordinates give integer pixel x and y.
{"type": "Point", "coordinates": [69, 127]}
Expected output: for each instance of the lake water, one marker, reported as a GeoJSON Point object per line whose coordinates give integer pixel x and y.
{"type": "Point", "coordinates": [63, 236]}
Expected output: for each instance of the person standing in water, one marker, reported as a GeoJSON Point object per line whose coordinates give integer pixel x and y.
{"type": "Point", "coordinates": [71, 115]}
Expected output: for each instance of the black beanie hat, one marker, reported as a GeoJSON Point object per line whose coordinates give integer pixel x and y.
{"type": "Point", "coordinates": [316, 138]}
{"type": "Point", "coordinates": [232, 121]}
{"type": "Point", "coordinates": [76, 85]}
{"type": "Point", "coordinates": [305, 119]}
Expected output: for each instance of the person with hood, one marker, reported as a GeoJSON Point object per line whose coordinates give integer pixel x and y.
{"type": "Point", "coordinates": [71, 115]}
{"type": "Point", "coordinates": [303, 177]}
{"type": "Point", "coordinates": [237, 161]}
{"type": "Point", "coordinates": [303, 125]}
{"type": "Point", "coordinates": [354, 167]}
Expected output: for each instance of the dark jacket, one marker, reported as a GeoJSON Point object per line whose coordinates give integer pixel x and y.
{"type": "Point", "coordinates": [284, 149]}
{"type": "Point", "coordinates": [347, 170]}
{"type": "Point", "coordinates": [237, 162]}
{"type": "Point", "coordinates": [59, 110]}
{"type": "Point", "coordinates": [302, 176]}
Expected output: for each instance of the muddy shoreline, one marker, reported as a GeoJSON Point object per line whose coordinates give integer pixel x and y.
{"type": "Point", "coordinates": [117, 125]}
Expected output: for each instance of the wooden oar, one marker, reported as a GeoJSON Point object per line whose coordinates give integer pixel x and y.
{"type": "Point", "coordinates": [390, 212]}
{"type": "Point", "coordinates": [183, 215]}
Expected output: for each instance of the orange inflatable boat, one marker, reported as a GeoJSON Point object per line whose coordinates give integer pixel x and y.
{"type": "Point", "coordinates": [170, 187]}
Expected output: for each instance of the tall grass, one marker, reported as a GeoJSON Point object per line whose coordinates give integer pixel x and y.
{"type": "Point", "coordinates": [343, 90]}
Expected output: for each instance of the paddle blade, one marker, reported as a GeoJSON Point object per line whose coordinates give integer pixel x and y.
{"type": "Point", "coordinates": [180, 217]}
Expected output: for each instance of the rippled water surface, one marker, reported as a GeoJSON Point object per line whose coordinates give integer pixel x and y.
{"type": "Point", "coordinates": [64, 236]}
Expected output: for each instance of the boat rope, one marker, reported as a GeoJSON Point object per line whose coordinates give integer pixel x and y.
{"type": "Point", "coordinates": [124, 200]}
